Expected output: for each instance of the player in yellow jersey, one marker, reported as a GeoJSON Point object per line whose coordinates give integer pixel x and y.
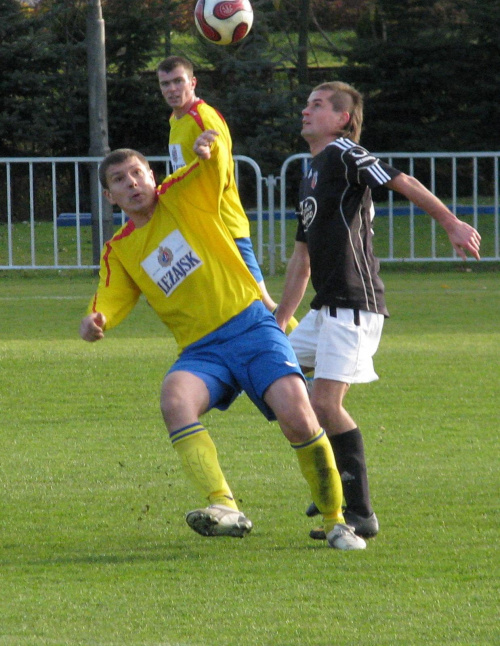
{"type": "Point", "coordinates": [178, 252]}
{"type": "Point", "coordinates": [190, 117]}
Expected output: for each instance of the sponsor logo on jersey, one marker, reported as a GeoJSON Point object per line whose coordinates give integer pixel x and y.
{"type": "Point", "coordinates": [170, 264]}
{"type": "Point", "coordinates": [308, 210]}
{"type": "Point", "coordinates": [361, 156]}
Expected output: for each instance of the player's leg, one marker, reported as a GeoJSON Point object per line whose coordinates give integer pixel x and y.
{"type": "Point", "coordinates": [289, 401]}
{"type": "Point", "coordinates": [184, 398]}
{"type": "Point", "coordinates": [327, 399]}
{"type": "Point", "coordinates": [346, 347]}
{"type": "Point", "coordinates": [266, 367]}
{"type": "Point", "coordinates": [296, 428]}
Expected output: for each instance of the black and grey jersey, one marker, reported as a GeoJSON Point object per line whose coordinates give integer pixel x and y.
{"type": "Point", "coordinates": [335, 220]}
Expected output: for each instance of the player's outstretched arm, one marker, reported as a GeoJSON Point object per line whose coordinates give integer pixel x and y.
{"type": "Point", "coordinates": [464, 238]}
{"type": "Point", "coordinates": [92, 327]}
{"type": "Point", "coordinates": [203, 143]}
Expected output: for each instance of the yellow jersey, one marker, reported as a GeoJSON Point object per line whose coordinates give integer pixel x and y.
{"type": "Point", "coordinates": [183, 134]}
{"type": "Point", "coordinates": [184, 260]}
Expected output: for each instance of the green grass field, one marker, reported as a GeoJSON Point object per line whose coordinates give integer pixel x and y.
{"type": "Point", "coordinates": [94, 549]}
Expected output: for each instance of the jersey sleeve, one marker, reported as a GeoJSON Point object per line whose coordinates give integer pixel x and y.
{"type": "Point", "coordinates": [213, 120]}
{"type": "Point", "coordinates": [369, 169]}
{"type": "Point", "coordinates": [300, 235]}
{"type": "Point", "coordinates": [116, 294]}
{"type": "Point", "coordinates": [200, 183]}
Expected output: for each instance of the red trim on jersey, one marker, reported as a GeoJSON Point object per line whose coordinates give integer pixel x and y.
{"type": "Point", "coordinates": [126, 231]}
{"type": "Point", "coordinates": [170, 182]}
{"type": "Point", "coordinates": [193, 112]}
{"type": "Point", "coordinates": [105, 260]}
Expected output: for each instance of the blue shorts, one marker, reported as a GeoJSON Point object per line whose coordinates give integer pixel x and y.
{"type": "Point", "coordinates": [248, 255]}
{"type": "Point", "coordinates": [248, 353]}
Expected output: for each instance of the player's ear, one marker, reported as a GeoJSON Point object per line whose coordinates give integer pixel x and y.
{"type": "Point", "coordinates": [345, 118]}
{"type": "Point", "coordinates": [194, 82]}
{"type": "Point", "coordinates": [107, 194]}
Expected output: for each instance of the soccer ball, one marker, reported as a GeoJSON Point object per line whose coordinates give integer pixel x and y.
{"type": "Point", "coordinates": [223, 22]}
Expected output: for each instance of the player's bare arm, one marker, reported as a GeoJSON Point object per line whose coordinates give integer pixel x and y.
{"type": "Point", "coordinates": [297, 277]}
{"type": "Point", "coordinates": [92, 327]}
{"type": "Point", "coordinates": [463, 237]}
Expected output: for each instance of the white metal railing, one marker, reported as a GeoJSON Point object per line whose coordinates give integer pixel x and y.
{"type": "Point", "coordinates": [42, 193]}
{"type": "Point", "coordinates": [472, 194]}
{"type": "Point", "coordinates": [45, 212]}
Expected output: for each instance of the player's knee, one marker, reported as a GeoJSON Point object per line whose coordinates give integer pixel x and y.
{"type": "Point", "coordinates": [327, 410]}
{"type": "Point", "coordinates": [298, 421]}
{"type": "Point", "coordinates": [170, 405]}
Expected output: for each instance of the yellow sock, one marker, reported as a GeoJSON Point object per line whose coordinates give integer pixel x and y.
{"type": "Point", "coordinates": [199, 460]}
{"type": "Point", "coordinates": [318, 467]}
{"type": "Point", "coordinates": [292, 324]}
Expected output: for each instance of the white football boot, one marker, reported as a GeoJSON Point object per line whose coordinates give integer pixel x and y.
{"type": "Point", "coordinates": [219, 520]}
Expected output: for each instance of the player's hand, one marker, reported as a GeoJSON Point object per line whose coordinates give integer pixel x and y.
{"type": "Point", "coordinates": [465, 238]}
{"type": "Point", "coordinates": [92, 327]}
{"type": "Point", "coordinates": [204, 142]}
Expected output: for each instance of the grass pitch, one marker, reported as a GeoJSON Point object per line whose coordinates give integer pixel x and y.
{"type": "Point", "coordinates": [94, 549]}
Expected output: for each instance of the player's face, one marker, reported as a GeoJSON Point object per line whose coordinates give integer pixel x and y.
{"type": "Point", "coordinates": [178, 89]}
{"type": "Point", "coordinates": [320, 122]}
{"type": "Point", "coordinates": [131, 186]}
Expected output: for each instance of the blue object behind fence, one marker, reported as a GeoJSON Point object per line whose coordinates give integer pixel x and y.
{"type": "Point", "coordinates": [70, 219]}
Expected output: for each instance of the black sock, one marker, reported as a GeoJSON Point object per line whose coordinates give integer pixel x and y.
{"type": "Point", "coordinates": [349, 454]}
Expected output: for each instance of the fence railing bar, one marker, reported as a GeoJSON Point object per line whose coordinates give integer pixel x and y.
{"type": "Point", "coordinates": [473, 168]}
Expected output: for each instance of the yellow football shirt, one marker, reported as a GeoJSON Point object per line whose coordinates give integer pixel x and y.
{"type": "Point", "coordinates": [183, 134]}
{"type": "Point", "coordinates": [184, 260]}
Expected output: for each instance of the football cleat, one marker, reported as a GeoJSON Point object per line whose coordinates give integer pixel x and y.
{"type": "Point", "coordinates": [312, 510]}
{"type": "Point", "coordinates": [318, 534]}
{"type": "Point", "coordinates": [219, 520]}
{"type": "Point", "coordinates": [367, 527]}
{"type": "Point", "coordinates": [342, 537]}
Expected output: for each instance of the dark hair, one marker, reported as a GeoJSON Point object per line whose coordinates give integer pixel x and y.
{"type": "Point", "coordinates": [117, 157]}
{"type": "Point", "coordinates": [345, 98]}
{"type": "Point", "coordinates": [170, 63]}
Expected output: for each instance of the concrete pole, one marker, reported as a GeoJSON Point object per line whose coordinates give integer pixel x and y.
{"type": "Point", "coordinates": [98, 124]}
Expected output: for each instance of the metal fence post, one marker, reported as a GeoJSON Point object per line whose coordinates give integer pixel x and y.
{"type": "Point", "coordinates": [271, 184]}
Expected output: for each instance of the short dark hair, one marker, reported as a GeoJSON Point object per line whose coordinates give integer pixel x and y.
{"type": "Point", "coordinates": [170, 63]}
{"type": "Point", "coordinates": [118, 156]}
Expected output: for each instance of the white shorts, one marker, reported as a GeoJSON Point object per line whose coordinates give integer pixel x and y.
{"type": "Point", "coordinates": [336, 347]}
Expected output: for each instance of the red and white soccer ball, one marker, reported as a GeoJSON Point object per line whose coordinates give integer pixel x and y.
{"type": "Point", "coordinates": [223, 22]}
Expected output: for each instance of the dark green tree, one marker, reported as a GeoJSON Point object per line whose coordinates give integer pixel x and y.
{"type": "Point", "coordinates": [40, 86]}
{"type": "Point", "coordinates": [136, 111]}
{"type": "Point", "coordinates": [428, 70]}
{"type": "Point", "coordinates": [257, 95]}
